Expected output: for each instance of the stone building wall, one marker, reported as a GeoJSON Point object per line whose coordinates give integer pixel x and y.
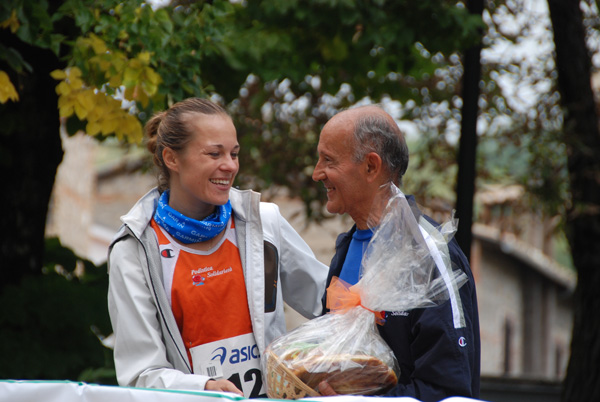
{"type": "Point", "coordinates": [500, 301]}
{"type": "Point", "coordinates": [525, 312]}
{"type": "Point", "coordinates": [71, 209]}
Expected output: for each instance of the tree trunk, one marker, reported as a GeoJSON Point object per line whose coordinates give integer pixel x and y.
{"type": "Point", "coordinates": [465, 182]}
{"type": "Point", "coordinates": [582, 138]}
{"type": "Point", "coordinates": [30, 152]}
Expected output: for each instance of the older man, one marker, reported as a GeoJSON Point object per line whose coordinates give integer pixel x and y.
{"type": "Point", "coordinates": [361, 150]}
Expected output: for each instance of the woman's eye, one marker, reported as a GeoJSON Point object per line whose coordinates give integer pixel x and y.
{"type": "Point", "coordinates": [234, 155]}
{"type": "Point", "coordinates": [214, 154]}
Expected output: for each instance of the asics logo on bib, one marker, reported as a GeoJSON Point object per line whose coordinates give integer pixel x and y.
{"type": "Point", "coordinates": [243, 354]}
{"type": "Point", "coordinates": [221, 355]}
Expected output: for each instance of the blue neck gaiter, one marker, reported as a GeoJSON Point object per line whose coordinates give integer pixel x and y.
{"type": "Point", "coordinates": [188, 230]}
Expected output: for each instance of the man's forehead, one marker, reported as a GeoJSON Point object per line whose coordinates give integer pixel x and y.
{"type": "Point", "coordinates": [335, 143]}
{"type": "Point", "coordinates": [336, 130]}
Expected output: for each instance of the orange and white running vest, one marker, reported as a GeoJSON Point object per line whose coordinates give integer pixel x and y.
{"type": "Point", "coordinates": [208, 297]}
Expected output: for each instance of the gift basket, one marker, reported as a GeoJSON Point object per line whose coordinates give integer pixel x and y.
{"type": "Point", "coordinates": [405, 266]}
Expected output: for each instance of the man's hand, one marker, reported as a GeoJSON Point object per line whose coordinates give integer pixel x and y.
{"type": "Point", "coordinates": [222, 386]}
{"type": "Point", "coordinates": [325, 389]}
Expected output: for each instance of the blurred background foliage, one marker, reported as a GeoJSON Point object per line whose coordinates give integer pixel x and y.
{"type": "Point", "coordinates": [51, 325]}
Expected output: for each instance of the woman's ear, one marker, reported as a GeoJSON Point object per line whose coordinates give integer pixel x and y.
{"type": "Point", "coordinates": [170, 159]}
{"type": "Point", "coordinates": [373, 166]}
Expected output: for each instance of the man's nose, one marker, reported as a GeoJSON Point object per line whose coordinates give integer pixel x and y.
{"type": "Point", "coordinates": [318, 173]}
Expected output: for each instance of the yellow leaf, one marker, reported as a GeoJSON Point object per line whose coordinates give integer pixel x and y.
{"type": "Point", "coordinates": [100, 62]}
{"type": "Point", "coordinates": [109, 126]}
{"type": "Point", "coordinates": [75, 83]}
{"type": "Point", "coordinates": [63, 88]}
{"type": "Point", "coordinates": [80, 111]}
{"type": "Point", "coordinates": [98, 44]}
{"type": "Point", "coordinates": [135, 64]}
{"type": "Point", "coordinates": [66, 111]}
{"type": "Point", "coordinates": [129, 93]}
{"type": "Point", "coordinates": [86, 98]}
{"type": "Point", "coordinates": [62, 101]}
{"type": "Point", "coordinates": [115, 81]}
{"type": "Point", "coordinates": [93, 115]}
{"type": "Point", "coordinates": [149, 88]}
{"type": "Point", "coordinates": [65, 102]}
{"type": "Point", "coordinates": [89, 99]}
{"type": "Point", "coordinates": [152, 76]}
{"type": "Point", "coordinates": [130, 77]}
{"type": "Point", "coordinates": [12, 22]}
{"type": "Point", "coordinates": [92, 128]}
{"type": "Point", "coordinates": [143, 98]}
{"type": "Point", "coordinates": [114, 104]}
{"type": "Point", "coordinates": [144, 57]}
{"type": "Point", "coordinates": [99, 110]}
{"type": "Point", "coordinates": [136, 133]}
{"type": "Point", "coordinates": [100, 102]}
{"type": "Point", "coordinates": [119, 61]}
{"type": "Point", "coordinates": [74, 72]}
{"type": "Point", "coordinates": [7, 89]}
{"type": "Point", "coordinates": [58, 74]}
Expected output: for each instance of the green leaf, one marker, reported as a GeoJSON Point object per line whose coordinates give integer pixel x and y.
{"type": "Point", "coordinates": [14, 59]}
{"type": "Point", "coordinates": [162, 17]}
{"type": "Point", "coordinates": [56, 40]}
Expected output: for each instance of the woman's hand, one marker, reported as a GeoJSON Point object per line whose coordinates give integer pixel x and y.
{"type": "Point", "coordinates": [222, 386]}
{"type": "Point", "coordinates": [325, 389]}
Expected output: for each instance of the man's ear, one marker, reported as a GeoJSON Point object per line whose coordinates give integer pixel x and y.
{"type": "Point", "coordinates": [373, 166]}
{"type": "Point", "coordinates": [170, 159]}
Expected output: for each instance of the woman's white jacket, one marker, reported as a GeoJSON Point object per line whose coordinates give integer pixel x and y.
{"type": "Point", "coordinates": [278, 266]}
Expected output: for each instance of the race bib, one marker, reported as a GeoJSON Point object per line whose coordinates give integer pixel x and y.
{"type": "Point", "coordinates": [235, 359]}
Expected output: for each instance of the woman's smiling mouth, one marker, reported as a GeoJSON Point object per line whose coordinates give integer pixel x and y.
{"type": "Point", "coordinates": [221, 182]}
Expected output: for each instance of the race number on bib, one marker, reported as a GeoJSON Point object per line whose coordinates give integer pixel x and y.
{"type": "Point", "coordinates": [236, 359]}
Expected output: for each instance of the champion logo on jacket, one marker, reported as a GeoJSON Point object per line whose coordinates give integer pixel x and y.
{"type": "Point", "coordinates": [167, 253]}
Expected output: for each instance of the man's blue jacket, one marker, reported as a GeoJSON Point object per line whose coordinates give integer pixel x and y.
{"type": "Point", "coordinates": [437, 348]}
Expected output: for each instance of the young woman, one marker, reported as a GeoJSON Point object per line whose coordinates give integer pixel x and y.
{"type": "Point", "coordinates": [199, 270]}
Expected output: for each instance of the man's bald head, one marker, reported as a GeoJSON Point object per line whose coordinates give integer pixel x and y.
{"type": "Point", "coordinates": [374, 130]}
{"type": "Point", "coordinates": [355, 113]}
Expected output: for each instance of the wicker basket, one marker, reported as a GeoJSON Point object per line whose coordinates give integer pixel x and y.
{"type": "Point", "coordinates": [282, 383]}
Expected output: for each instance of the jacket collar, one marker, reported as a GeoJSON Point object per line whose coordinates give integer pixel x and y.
{"type": "Point", "coordinates": [245, 203]}
{"type": "Point", "coordinates": [140, 215]}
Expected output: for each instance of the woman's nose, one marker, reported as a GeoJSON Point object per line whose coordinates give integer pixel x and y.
{"type": "Point", "coordinates": [230, 164]}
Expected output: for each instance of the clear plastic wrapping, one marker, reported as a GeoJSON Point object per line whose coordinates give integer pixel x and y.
{"type": "Point", "coordinates": [405, 266]}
